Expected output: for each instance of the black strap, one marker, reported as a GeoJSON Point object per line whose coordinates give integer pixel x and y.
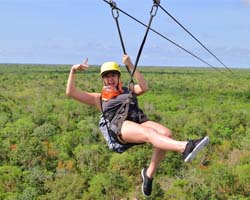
{"type": "Point", "coordinates": [125, 105]}
{"type": "Point", "coordinates": [115, 15]}
{"type": "Point", "coordinates": [104, 117]}
{"type": "Point", "coordinates": [152, 14]}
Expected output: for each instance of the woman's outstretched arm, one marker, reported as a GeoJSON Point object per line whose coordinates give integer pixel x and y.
{"type": "Point", "coordinates": [92, 99]}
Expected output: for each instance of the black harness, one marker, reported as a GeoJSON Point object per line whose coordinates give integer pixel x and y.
{"type": "Point", "coordinates": [128, 110]}
{"type": "Point", "coordinates": [117, 118]}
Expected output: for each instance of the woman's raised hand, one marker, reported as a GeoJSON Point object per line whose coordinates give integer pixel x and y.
{"type": "Point", "coordinates": [83, 66]}
{"type": "Point", "coordinates": [126, 60]}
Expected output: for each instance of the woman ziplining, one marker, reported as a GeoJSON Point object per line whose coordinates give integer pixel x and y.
{"type": "Point", "coordinates": [123, 124]}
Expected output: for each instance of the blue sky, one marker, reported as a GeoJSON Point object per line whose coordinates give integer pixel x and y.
{"type": "Point", "coordinates": [67, 31]}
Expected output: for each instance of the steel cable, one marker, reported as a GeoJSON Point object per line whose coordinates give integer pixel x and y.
{"type": "Point", "coordinates": [169, 40]}
{"type": "Point", "coordinates": [195, 38]}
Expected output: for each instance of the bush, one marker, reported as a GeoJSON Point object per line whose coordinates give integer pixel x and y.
{"type": "Point", "coordinates": [107, 186]}
{"type": "Point", "coordinates": [10, 179]}
{"type": "Point", "coordinates": [45, 131]}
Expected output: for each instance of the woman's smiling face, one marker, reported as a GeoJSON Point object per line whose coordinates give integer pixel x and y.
{"type": "Point", "coordinates": [111, 78]}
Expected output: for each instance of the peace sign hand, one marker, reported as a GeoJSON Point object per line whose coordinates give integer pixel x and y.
{"type": "Point", "coordinates": [83, 66]}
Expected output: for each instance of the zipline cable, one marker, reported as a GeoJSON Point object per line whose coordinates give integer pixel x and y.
{"type": "Point", "coordinates": [194, 38]}
{"type": "Point", "coordinates": [174, 43]}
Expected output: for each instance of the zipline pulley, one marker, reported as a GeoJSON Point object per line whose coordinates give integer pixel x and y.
{"type": "Point", "coordinates": [112, 4]}
{"type": "Point", "coordinates": [157, 2]}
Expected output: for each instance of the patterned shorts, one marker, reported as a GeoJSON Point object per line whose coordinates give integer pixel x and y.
{"type": "Point", "coordinates": [111, 138]}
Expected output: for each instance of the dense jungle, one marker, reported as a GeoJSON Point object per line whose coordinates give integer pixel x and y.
{"type": "Point", "coordinates": [51, 147]}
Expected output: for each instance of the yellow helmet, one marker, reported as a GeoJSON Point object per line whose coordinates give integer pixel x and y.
{"type": "Point", "coordinates": [109, 66]}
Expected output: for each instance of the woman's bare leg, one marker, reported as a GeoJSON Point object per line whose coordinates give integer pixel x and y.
{"type": "Point", "coordinates": [158, 154]}
{"type": "Point", "coordinates": [156, 134]}
{"type": "Point", "coordinates": [156, 159]}
{"type": "Point", "coordinates": [139, 133]}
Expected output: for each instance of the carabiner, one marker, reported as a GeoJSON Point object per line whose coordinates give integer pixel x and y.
{"type": "Point", "coordinates": [115, 14]}
{"type": "Point", "coordinates": [154, 7]}
{"type": "Point", "coordinates": [114, 8]}
{"type": "Point", "coordinates": [154, 10]}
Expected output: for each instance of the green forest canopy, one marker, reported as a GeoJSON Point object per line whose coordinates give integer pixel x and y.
{"type": "Point", "coordinates": [51, 147]}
